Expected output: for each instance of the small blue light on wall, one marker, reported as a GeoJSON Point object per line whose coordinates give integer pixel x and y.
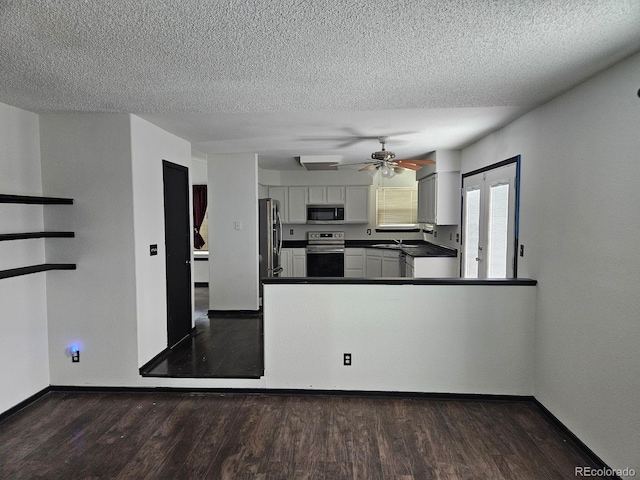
{"type": "Point", "coordinates": [75, 353]}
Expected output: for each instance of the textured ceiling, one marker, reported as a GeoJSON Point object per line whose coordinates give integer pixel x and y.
{"type": "Point", "coordinates": [286, 78]}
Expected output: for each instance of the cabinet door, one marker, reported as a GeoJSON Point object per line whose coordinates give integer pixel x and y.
{"type": "Point", "coordinates": [423, 203]}
{"type": "Point", "coordinates": [354, 262]}
{"type": "Point", "coordinates": [374, 263]}
{"type": "Point", "coordinates": [281, 194]}
{"type": "Point", "coordinates": [447, 199]}
{"type": "Point", "coordinates": [299, 262]}
{"type": "Point", "coordinates": [356, 204]}
{"type": "Point", "coordinates": [335, 195]}
{"type": "Point", "coordinates": [317, 195]}
{"type": "Point", "coordinates": [298, 204]}
{"type": "Point", "coordinates": [390, 264]}
{"type": "Point", "coordinates": [432, 203]}
{"type": "Point", "coordinates": [285, 262]}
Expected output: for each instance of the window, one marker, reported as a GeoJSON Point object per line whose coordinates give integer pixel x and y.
{"type": "Point", "coordinates": [397, 207]}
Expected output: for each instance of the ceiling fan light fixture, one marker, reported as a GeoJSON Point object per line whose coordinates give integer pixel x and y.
{"type": "Point", "coordinates": [386, 171]}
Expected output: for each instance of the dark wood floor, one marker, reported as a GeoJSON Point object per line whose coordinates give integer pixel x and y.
{"type": "Point", "coordinates": [223, 346]}
{"type": "Point", "coordinates": [210, 436]}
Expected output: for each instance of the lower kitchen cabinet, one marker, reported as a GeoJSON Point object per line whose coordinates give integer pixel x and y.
{"type": "Point", "coordinates": [390, 263]}
{"type": "Point", "coordinates": [293, 262]}
{"type": "Point", "coordinates": [299, 262]}
{"type": "Point", "coordinates": [382, 263]}
{"type": "Point", "coordinates": [354, 262]}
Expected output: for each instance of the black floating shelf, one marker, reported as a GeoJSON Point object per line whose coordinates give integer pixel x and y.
{"type": "Point", "coordinates": [25, 199]}
{"type": "Point", "coordinates": [15, 272]}
{"type": "Point", "coordinates": [23, 236]}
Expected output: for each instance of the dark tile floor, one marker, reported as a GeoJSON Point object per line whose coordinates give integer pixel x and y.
{"type": "Point", "coordinates": [223, 347]}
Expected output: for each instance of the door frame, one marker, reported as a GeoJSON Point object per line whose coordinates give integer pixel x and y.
{"type": "Point", "coordinates": [167, 165]}
{"type": "Point", "coordinates": [503, 163]}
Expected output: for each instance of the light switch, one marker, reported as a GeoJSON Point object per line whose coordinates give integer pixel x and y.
{"type": "Point", "coordinates": [238, 225]}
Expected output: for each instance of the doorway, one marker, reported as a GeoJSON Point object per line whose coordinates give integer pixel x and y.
{"type": "Point", "coordinates": [178, 251]}
{"type": "Point", "coordinates": [490, 203]}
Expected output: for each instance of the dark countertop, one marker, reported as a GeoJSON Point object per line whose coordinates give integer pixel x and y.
{"type": "Point", "coordinates": [415, 248]}
{"type": "Point", "coordinates": [399, 281]}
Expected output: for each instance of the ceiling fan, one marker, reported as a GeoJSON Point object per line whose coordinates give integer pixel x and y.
{"type": "Point", "coordinates": [385, 162]}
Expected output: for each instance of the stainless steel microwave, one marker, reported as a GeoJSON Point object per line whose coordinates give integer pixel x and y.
{"type": "Point", "coordinates": [325, 214]}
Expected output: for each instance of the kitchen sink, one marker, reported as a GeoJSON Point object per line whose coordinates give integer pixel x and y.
{"type": "Point", "coordinates": [388, 245]}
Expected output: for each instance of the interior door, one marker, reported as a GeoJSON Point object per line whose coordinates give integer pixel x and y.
{"type": "Point", "coordinates": [489, 222]}
{"type": "Point", "coordinates": [178, 251]}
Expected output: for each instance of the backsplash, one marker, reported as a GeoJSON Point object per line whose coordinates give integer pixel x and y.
{"type": "Point", "coordinates": [352, 232]}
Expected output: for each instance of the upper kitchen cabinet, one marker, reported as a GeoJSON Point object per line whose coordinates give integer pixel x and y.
{"type": "Point", "coordinates": [298, 204]}
{"type": "Point", "coordinates": [356, 204]}
{"type": "Point", "coordinates": [439, 199]}
{"type": "Point", "coordinates": [319, 195]}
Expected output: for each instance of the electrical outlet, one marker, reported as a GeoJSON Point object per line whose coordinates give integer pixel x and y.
{"type": "Point", "coordinates": [451, 236]}
{"type": "Point", "coordinates": [347, 359]}
{"type": "Point", "coordinates": [522, 250]}
{"type": "Point", "coordinates": [457, 237]}
{"type": "Point", "coordinates": [291, 231]}
{"type": "Point", "coordinates": [75, 356]}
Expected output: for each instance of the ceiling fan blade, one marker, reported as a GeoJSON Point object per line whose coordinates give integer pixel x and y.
{"type": "Point", "coordinates": [409, 166]}
{"type": "Point", "coordinates": [416, 161]}
{"type": "Point", "coordinates": [368, 167]}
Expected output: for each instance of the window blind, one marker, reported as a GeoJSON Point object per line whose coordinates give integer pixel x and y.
{"type": "Point", "coordinates": [397, 206]}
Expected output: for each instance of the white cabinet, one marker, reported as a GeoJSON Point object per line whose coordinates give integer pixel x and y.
{"type": "Point", "coordinates": [390, 263]}
{"type": "Point", "coordinates": [373, 262]}
{"type": "Point", "coordinates": [320, 195]}
{"type": "Point", "coordinates": [382, 263]}
{"type": "Point", "coordinates": [286, 256]}
{"type": "Point", "coordinates": [439, 199]}
{"type": "Point", "coordinates": [354, 262]}
{"type": "Point", "coordinates": [293, 262]}
{"type": "Point", "coordinates": [297, 205]}
{"type": "Point", "coordinates": [281, 194]}
{"type": "Point", "coordinates": [299, 262]}
{"type": "Point", "coordinates": [408, 266]}
{"type": "Point", "coordinates": [356, 204]}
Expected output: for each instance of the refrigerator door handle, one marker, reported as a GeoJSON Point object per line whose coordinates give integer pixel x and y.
{"type": "Point", "coordinates": [280, 227]}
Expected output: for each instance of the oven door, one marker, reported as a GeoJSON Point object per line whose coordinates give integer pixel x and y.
{"type": "Point", "coordinates": [325, 261]}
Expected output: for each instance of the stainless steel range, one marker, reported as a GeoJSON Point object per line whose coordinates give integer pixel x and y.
{"type": "Point", "coordinates": [325, 254]}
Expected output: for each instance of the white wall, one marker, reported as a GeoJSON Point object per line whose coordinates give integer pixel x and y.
{"type": "Point", "coordinates": [88, 157]}
{"type": "Point", "coordinates": [579, 225]}
{"type": "Point", "coordinates": [24, 357]}
{"type": "Point", "coordinates": [233, 253]}
{"type": "Point", "coordinates": [411, 338]}
{"type": "Point", "coordinates": [150, 145]}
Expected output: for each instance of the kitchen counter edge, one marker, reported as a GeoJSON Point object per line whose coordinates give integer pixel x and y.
{"type": "Point", "coordinates": [396, 281]}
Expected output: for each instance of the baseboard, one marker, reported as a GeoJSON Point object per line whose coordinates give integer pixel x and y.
{"type": "Point", "coordinates": [151, 364]}
{"type": "Point", "coordinates": [154, 361]}
{"type": "Point", "coordinates": [575, 441]}
{"type": "Point", "coordinates": [23, 404]}
{"type": "Point", "coordinates": [234, 313]}
{"type": "Point", "coordinates": [480, 397]}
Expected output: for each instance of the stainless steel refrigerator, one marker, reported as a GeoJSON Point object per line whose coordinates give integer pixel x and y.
{"type": "Point", "coordinates": [270, 238]}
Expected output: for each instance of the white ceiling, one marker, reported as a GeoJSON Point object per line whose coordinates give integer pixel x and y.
{"type": "Point", "coordinates": [285, 78]}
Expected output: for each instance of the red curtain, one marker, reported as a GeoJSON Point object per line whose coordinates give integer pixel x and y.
{"type": "Point", "coordinates": [199, 209]}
